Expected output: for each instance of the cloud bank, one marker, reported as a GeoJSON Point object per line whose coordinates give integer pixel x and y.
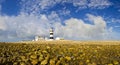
{"type": "Point", "coordinates": [31, 22]}
{"type": "Point", "coordinates": [27, 26]}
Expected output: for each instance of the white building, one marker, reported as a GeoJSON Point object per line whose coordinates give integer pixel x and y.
{"type": "Point", "coordinates": [51, 37]}
{"type": "Point", "coordinates": [37, 38]}
{"type": "Point", "coordinates": [57, 38]}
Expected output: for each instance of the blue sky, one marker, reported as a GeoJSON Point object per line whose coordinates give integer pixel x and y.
{"type": "Point", "coordinates": [71, 19]}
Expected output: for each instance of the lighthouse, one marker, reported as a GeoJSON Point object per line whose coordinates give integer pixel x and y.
{"type": "Point", "coordinates": [51, 34]}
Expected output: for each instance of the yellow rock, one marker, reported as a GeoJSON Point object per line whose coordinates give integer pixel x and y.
{"type": "Point", "coordinates": [22, 63]}
{"type": "Point", "coordinates": [33, 56]}
{"type": "Point", "coordinates": [44, 51]}
{"type": "Point", "coordinates": [68, 58]}
{"type": "Point", "coordinates": [58, 62]}
{"type": "Point", "coordinates": [87, 61]}
{"type": "Point", "coordinates": [48, 47]}
{"type": "Point", "coordinates": [116, 62]}
{"type": "Point", "coordinates": [22, 57]}
{"type": "Point", "coordinates": [52, 62]}
{"type": "Point", "coordinates": [110, 64]}
{"type": "Point", "coordinates": [15, 63]}
{"type": "Point", "coordinates": [44, 62]}
{"type": "Point", "coordinates": [35, 61]}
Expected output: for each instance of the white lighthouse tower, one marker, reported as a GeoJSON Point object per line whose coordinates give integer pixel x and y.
{"type": "Point", "coordinates": [51, 34]}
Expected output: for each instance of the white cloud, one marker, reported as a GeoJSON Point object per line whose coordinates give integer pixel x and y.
{"type": "Point", "coordinates": [25, 26]}
{"type": "Point", "coordinates": [31, 6]}
{"type": "Point", "coordinates": [110, 29]}
{"type": "Point", "coordinates": [80, 3]}
{"type": "Point", "coordinates": [31, 22]}
{"type": "Point", "coordinates": [64, 12]}
{"type": "Point", "coordinates": [35, 7]}
{"type": "Point", "coordinates": [54, 17]}
{"type": "Point", "coordinates": [2, 23]}
{"type": "Point", "coordinates": [47, 3]}
{"type": "Point", "coordinates": [117, 26]}
{"type": "Point", "coordinates": [99, 4]}
{"type": "Point", "coordinates": [113, 20]}
{"type": "Point", "coordinates": [77, 29]}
